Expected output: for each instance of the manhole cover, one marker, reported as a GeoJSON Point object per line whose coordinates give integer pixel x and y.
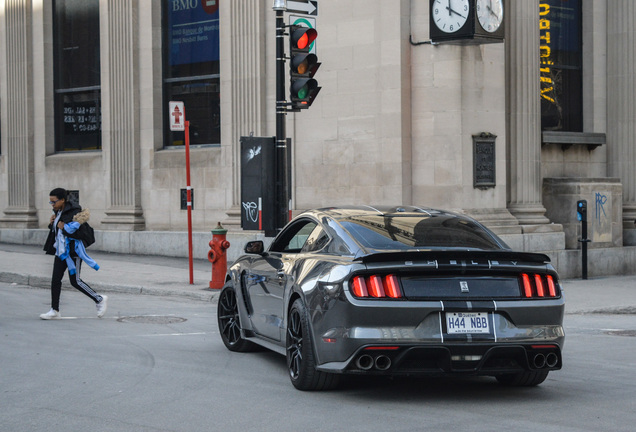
{"type": "Point", "coordinates": [621, 332]}
{"type": "Point", "coordinates": [152, 319]}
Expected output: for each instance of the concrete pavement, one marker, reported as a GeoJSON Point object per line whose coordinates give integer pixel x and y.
{"type": "Point", "coordinates": [134, 274]}
{"type": "Point", "coordinates": [169, 276]}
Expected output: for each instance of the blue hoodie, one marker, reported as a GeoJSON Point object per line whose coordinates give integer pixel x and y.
{"type": "Point", "coordinates": [63, 248]}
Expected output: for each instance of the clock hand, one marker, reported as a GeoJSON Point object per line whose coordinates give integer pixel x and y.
{"type": "Point", "coordinates": [449, 8]}
{"type": "Point", "coordinates": [452, 11]}
{"type": "Point", "coordinates": [492, 12]}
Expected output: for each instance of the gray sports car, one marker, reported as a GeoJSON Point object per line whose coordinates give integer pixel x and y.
{"type": "Point", "coordinates": [394, 291]}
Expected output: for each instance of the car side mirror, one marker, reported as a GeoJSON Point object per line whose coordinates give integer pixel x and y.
{"type": "Point", "coordinates": [255, 247]}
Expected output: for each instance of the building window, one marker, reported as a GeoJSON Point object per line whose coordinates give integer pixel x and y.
{"type": "Point", "coordinates": [561, 65]}
{"type": "Point", "coordinates": [191, 69]}
{"type": "Point", "coordinates": [78, 123]}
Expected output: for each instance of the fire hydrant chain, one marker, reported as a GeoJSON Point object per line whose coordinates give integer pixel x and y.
{"type": "Point", "coordinates": [218, 256]}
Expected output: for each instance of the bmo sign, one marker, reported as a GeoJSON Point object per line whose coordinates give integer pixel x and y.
{"type": "Point", "coordinates": [209, 6]}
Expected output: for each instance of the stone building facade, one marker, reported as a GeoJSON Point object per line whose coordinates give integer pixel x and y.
{"type": "Point", "coordinates": [395, 123]}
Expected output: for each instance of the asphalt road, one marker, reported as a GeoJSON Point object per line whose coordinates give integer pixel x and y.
{"type": "Point", "coordinates": [157, 364]}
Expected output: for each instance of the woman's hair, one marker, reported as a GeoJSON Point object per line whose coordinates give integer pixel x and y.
{"type": "Point", "coordinates": [59, 193]}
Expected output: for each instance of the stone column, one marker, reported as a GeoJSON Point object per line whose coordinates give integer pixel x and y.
{"type": "Point", "coordinates": [524, 112]}
{"type": "Point", "coordinates": [18, 142]}
{"type": "Point", "coordinates": [621, 94]}
{"type": "Point", "coordinates": [119, 30]}
{"type": "Point", "coordinates": [244, 79]}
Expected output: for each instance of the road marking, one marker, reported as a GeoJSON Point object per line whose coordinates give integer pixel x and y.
{"type": "Point", "coordinates": [177, 334]}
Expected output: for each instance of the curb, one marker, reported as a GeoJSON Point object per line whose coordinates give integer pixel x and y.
{"type": "Point", "coordinates": [205, 294]}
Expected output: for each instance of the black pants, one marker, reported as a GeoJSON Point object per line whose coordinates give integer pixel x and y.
{"type": "Point", "coordinates": [59, 267]}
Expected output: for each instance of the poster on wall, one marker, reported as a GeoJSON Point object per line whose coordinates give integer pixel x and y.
{"type": "Point", "coordinates": [193, 31]}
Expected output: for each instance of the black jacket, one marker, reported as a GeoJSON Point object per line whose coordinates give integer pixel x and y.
{"type": "Point", "coordinates": [70, 209]}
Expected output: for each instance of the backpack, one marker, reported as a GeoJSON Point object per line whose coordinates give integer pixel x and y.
{"type": "Point", "coordinates": [86, 234]}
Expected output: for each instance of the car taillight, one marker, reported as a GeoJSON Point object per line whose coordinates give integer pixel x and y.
{"type": "Point", "coordinates": [538, 286]}
{"type": "Point", "coordinates": [360, 287]}
{"type": "Point", "coordinates": [377, 286]}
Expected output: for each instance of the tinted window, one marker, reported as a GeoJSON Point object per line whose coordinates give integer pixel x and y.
{"type": "Point", "coordinates": [78, 121]}
{"type": "Point", "coordinates": [294, 237]}
{"type": "Point", "coordinates": [561, 65]}
{"type": "Point", "coordinates": [191, 58]}
{"type": "Point", "coordinates": [317, 240]}
{"type": "Point", "coordinates": [424, 232]}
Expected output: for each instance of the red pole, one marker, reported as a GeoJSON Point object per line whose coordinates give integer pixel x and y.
{"type": "Point", "coordinates": [189, 198]}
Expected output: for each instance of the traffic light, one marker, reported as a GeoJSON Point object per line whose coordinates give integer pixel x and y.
{"type": "Point", "coordinates": [302, 66]}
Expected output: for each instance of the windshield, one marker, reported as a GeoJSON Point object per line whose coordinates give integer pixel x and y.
{"type": "Point", "coordinates": [390, 232]}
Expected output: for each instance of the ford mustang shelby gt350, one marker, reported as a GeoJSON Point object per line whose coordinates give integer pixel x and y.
{"type": "Point", "coordinates": [394, 291]}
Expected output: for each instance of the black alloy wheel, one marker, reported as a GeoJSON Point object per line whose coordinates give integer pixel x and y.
{"type": "Point", "coordinates": [229, 321]}
{"type": "Point", "coordinates": [300, 354]}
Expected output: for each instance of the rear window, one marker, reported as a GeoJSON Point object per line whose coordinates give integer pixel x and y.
{"type": "Point", "coordinates": [418, 232]}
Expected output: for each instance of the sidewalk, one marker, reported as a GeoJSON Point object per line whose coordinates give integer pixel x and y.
{"type": "Point", "coordinates": [134, 274]}
{"type": "Point", "coordinates": [168, 276]}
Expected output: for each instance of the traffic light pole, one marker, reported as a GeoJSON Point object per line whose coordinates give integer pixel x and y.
{"type": "Point", "coordinates": [282, 195]}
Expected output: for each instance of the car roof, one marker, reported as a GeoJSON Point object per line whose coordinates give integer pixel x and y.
{"type": "Point", "coordinates": [344, 213]}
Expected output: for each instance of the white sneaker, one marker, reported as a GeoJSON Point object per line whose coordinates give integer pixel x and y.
{"type": "Point", "coordinates": [102, 306]}
{"type": "Point", "coordinates": [52, 314]}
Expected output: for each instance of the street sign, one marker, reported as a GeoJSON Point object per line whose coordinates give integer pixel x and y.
{"type": "Point", "coordinates": [307, 7]}
{"type": "Point", "coordinates": [176, 113]}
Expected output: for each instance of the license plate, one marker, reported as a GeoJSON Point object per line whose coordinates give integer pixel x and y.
{"type": "Point", "coordinates": [467, 322]}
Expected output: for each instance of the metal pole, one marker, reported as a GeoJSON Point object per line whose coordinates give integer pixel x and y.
{"type": "Point", "coordinates": [281, 134]}
{"type": "Point", "coordinates": [584, 242]}
{"type": "Point", "coordinates": [189, 198]}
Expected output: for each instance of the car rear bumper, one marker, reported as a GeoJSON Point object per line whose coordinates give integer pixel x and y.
{"type": "Point", "coordinates": [470, 359]}
{"type": "Point", "coordinates": [521, 337]}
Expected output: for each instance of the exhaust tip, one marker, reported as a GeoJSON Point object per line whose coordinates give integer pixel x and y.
{"type": "Point", "coordinates": [539, 361]}
{"type": "Point", "coordinates": [382, 362]}
{"type": "Point", "coordinates": [551, 360]}
{"type": "Point", "coordinates": [364, 362]}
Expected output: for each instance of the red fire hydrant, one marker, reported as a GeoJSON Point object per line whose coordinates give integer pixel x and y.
{"type": "Point", "coordinates": [218, 257]}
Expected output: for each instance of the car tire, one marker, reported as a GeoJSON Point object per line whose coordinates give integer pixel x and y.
{"type": "Point", "coordinates": [229, 321]}
{"type": "Point", "coordinates": [523, 379]}
{"type": "Point", "coordinates": [301, 362]}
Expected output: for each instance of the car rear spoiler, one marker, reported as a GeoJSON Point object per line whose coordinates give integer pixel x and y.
{"type": "Point", "coordinates": [424, 255]}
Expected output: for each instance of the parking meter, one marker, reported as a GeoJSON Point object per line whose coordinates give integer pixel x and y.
{"type": "Point", "coordinates": [581, 210]}
{"type": "Point", "coordinates": [581, 215]}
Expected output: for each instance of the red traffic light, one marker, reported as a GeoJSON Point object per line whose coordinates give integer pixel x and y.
{"type": "Point", "coordinates": [302, 37]}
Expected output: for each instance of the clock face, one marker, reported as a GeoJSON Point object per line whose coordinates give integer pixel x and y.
{"type": "Point", "coordinates": [490, 14]}
{"type": "Point", "coordinates": [450, 15]}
